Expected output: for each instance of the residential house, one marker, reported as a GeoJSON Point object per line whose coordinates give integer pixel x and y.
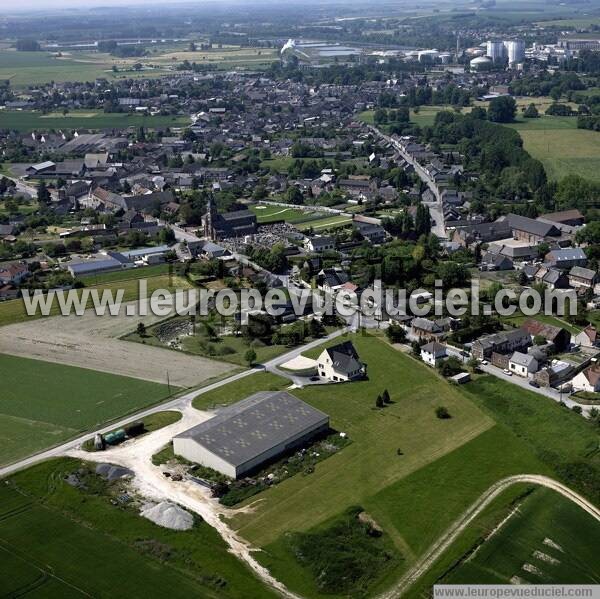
{"type": "Point", "coordinates": [558, 336]}
{"type": "Point", "coordinates": [530, 230]}
{"type": "Point", "coordinates": [340, 363]}
{"type": "Point", "coordinates": [425, 329]}
{"type": "Point", "coordinates": [588, 380]}
{"type": "Point", "coordinates": [505, 342]}
{"type": "Point", "coordinates": [330, 279]}
{"type": "Point", "coordinates": [13, 274]}
{"type": "Point", "coordinates": [523, 364]}
{"type": "Point", "coordinates": [319, 243]}
{"type": "Point", "coordinates": [583, 278]}
{"type": "Point", "coordinates": [481, 233]}
{"type": "Point", "coordinates": [565, 259]}
{"type": "Point", "coordinates": [492, 262]}
{"type": "Point", "coordinates": [433, 352]}
{"type": "Point", "coordinates": [371, 232]}
{"type": "Point", "coordinates": [572, 218]}
{"type": "Point", "coordinates": [587, 338]}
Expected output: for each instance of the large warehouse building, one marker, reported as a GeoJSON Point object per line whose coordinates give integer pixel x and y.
{"type": "Point", "coordinates": [251, 432]}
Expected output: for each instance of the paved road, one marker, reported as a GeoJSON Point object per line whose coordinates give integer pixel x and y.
{"type": "Point", "coordinates": [435, 208]}
{"type": "Point", "coordinates": [179, 402]}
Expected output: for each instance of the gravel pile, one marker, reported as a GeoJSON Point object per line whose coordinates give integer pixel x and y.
{"type": "Point", "coordinates": [110, 472]}
{"type": "Point", "coordinates": [168, 515]}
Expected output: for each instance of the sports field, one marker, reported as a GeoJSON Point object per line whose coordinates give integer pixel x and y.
{"type": "Point", "coordinates": [60, 541]}
{"type": "Point", "coordinates": [26, 120]}
{"type": "Point", "coordinates": [301, 219]}
{"type": "Point", "coordinates": [266, 213]}
{"type": "Point", "coordinates": [42, 404]}
{"type": "Point", "coordinates": [545, 540]}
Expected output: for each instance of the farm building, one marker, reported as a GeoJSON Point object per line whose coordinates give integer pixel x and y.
{"type": "Point", "coordinates": [242, 437]}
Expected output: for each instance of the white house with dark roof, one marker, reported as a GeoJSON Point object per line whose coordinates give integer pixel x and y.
{"type": "Point", "coordinates": [523, 364]}
{"type": "Point", "coordinates": [340, 363]}
{"type": "Point", "coordinates": [432, 353]}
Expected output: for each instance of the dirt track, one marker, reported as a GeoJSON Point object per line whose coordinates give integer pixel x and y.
{"type": "Point", "coordinates": [92, 341]}
{"type": "Point", "coordinates": [446, 540]}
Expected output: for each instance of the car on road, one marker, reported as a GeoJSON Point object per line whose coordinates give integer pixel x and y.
{"type": "Point", "coordinates": [507, 372]}
{"type": "Point", "coordinates": [534, 384]}
{"type": "Point", "coordinates": [484, 362]}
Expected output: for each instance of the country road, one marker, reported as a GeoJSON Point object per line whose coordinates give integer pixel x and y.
{"type": "Point", "coordinates": [179, 402]}
{"type": "Point", "coordinates": [461, 524]}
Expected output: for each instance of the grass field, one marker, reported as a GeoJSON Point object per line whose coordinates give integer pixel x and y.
{"type": "Point", "coordinates": [561, 147]}
{"type": "Point", "coordinates": [302, 219]}
{"type": "Point", "coordinates": [569, 557]}
{"type": "Point", "coordinates": [32, 68]}
{"type": "Point", "coordinates": [443, 467]}
{"type": "Point", "coordinates": [13, 311]}
{"type": "Point", "coordinates": [44, 523]}
{"type": "Point", "coordinates": [279, 164]}
{"type": "Point", "coordinates": [267, 214]}
{"type": "Point", "coordinates": [43, 403]}
{"type": "Point", "coordinates": [84, 119]}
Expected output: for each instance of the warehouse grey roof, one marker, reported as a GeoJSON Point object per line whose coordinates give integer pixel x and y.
{"type": "Point", "coordinates": [535, 227]}
{"type": "Point", "coordinates": [253, 426]}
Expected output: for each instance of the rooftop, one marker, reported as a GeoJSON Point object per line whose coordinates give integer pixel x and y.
{"type": "Point", "coordinates": [253, 426]}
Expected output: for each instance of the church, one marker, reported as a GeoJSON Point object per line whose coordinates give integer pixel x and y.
{"type": "Point", "coordinates": [217, 226]}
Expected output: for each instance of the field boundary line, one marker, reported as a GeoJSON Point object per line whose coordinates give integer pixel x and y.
{"type": "Point", "coordinates": [440, 546]}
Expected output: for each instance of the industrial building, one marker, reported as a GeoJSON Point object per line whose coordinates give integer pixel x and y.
{"type": "Point", "coordinates": [515, 49]}
{"type": "Point", "coordinates": [246, 435]}
{"type": "Point", "coordinates": [495, 50]}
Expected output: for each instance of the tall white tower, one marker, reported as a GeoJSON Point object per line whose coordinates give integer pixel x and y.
{"type": "Point", "coordinates": [495, 50]}
{"type": "Point", "coordinates": [515, 50]}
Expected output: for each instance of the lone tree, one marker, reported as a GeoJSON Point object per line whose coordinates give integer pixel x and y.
{"type": "Point", "coordinates": [43, 195]}
{"type": "Point", "coordinates": [531, 112]}
{"type": "Point", "coordinates": [386, 396]}
{"type": "Point", "coordinates": [379, 402]}
{"type": "Point", "coordinates": [442, 413]}
{"type": "Point", "coordinates": [395, 333]}
{"type": "Point", "coordinates": [141, 329]}
{"type": "Point", "coordinates": [502, 109]}
{"type": "Point", "coordinates": [250, 357]}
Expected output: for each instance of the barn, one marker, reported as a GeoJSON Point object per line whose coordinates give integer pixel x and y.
{"type": "Point", "coordinates": [247, 434]}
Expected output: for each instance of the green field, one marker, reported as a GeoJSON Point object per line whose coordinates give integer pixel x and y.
{"type": "Point", "coordinates": [301, 219]}
{"type": "Point", "coordinates": [13, 311]}
{"type": "Point", "coordinates": [561, 147]}
{"type": "Point", "coordinates": [547, 532]}
{"type": "Point", "coordinates": [43, 404]}
{"type": "Point", "coordinates": [444, 466]}
{"type": "Point", "coordinates": [60, 541]}
{"type": "Point", "coordinates": [33, 68]}
{"type": "Point", "coordinates": [267, 214]}
{"type": "Point", "coordinates": [84, 119]}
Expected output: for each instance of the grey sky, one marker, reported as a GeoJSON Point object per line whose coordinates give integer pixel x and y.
{"type": "Point", "coordinates": [27, 5]}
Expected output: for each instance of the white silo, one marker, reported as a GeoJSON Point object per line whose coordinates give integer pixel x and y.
{"type": "Point", "coordinates": [495, 50]}
{"type": "Point", "coordinates": [515, 50]}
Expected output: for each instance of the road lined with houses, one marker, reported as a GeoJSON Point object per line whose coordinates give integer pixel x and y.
{"type": "Point", "coordinates": [435, 208]}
